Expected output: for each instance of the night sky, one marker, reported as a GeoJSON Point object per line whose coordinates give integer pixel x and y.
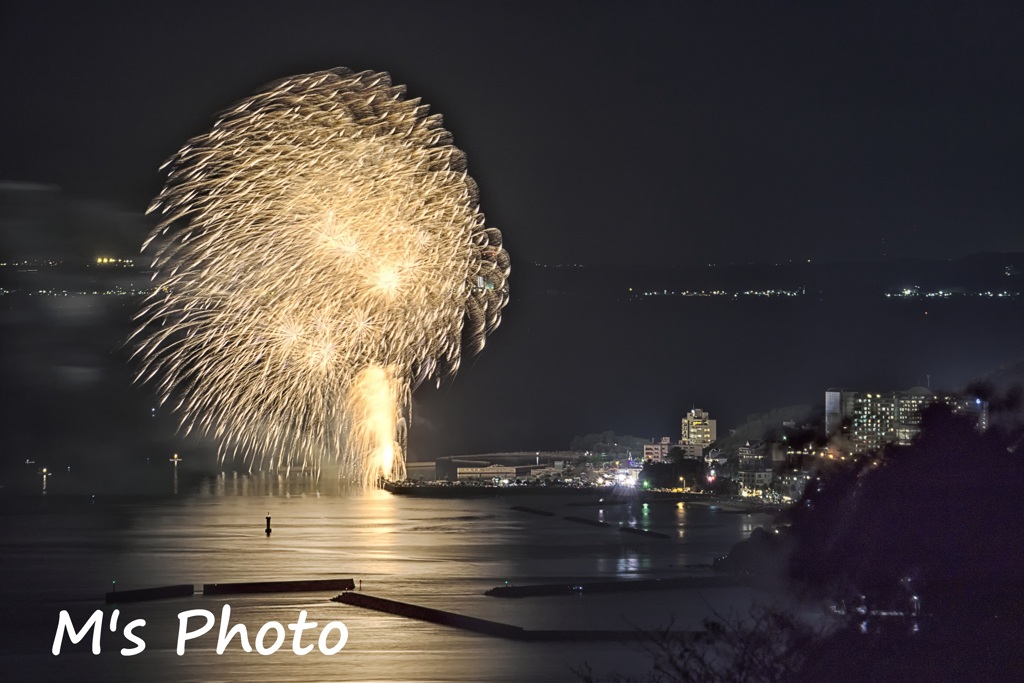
{"type": "Point", "coordinates": [599, 132]}
{"type": "Point", "coordinates": [602, 134]}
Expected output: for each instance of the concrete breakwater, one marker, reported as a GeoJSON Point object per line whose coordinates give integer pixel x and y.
{"type": "Point", "coordinates": [627, 586]}
{"type": "Point", "coordinates": [474, 624]}
{"type": "Point", "coordinates": [532, 511]}
{"type": "Point", "coordinates": [182, 590]}
{"type": "Point", "coordinates": [279, 586]}
{"type": "Point", "coordinates": [429, 614]}
{"type": "Point", "coordinates": [643, 532]}
{"type": "Point", "coordinates": [187, 589]}
{"type": "Point", "coordinates": [593, 522]}
{"type": "Point", "coordinates": [584, 520]}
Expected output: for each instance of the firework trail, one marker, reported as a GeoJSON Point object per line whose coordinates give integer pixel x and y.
{"type": "Point", "coordinates": [321, 253]}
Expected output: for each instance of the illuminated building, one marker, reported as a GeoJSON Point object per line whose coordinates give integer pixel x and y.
{"type": "Point", "coordinates": [754, 479]}
{"type": "Point", "coordinates": [658, 452]}
{"type": "Point", "coordinates": [698, 428]}
{"type": "Point", "coordinates": [755, 465]}
{"type": "Point", "coordinates": [488, 473]}
{"type": "Point", "coordinates": [792, 484]}
{"type": "Point", "coordinates": [869, 420]}
{"type": "Point", "coordinates": [521, 464]}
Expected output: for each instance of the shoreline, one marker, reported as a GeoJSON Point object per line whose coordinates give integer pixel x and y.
{"type": "Point", "coordinates": [608, 495]}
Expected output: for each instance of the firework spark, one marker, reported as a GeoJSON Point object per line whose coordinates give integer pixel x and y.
{"type": "Point", "coordinates": [321, 253]}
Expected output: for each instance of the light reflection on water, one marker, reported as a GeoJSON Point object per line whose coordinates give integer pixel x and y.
{"type": "Point", "coordinates": [438, 553]}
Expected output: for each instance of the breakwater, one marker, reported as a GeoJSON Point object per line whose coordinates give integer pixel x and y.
{"type": "Point", "coordinates": [627, 586]}
{"type": "Point", "coordinates": [429, 614]}
{"type": "Point", "coordinates": [594, 522]}
{"type": "Point", "coordinates": [643, 532]}
{"type": "Point", "coordinates": [185, 590]}
{"type": "Point", "coordinates": [278, 587]}
{"type": "Point", "coordinates": [584, 520]}
{"type": "Point", "coordinates": [532, 511]}
{"type": "Point", "coordinates": [474, 624]}
{"type": "Point", "coordinates": [182, 590]}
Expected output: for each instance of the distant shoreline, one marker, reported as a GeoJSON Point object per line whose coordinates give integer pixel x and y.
{"type": "Point", "coordinates": [607, 495]}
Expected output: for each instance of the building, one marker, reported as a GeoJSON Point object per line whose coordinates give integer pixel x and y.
{"type": "Point", "coordinates": [447, 467]}
{"type": "Point", "coordinates": [753, 456]}
{"type": "Point", "coordinates": [658, 452]}
{"type": "Point", "coordinates": [807, 453]}
{"type": "Point", "coordinates": [691, 450]}
{"type": "Point", "coordinates": [754, 479]}
{"type": "Point", "coordinates": [792, 484]}
{"type": "Point", "coordinates": [489, 473]}
{"type": "Point", "coordinates": [869, 420]}
{"type": "Point", "coordinates": [755, 469]}
{"type": "Point", "coordinates": [698, 429]}
{"type": "Point", "coordinates": [715, 457]}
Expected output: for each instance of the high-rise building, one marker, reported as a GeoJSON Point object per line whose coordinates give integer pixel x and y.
{"type": "Point", "coordinates": [698, 428]}
{"type": "Point", "coordinates": [869, 419]}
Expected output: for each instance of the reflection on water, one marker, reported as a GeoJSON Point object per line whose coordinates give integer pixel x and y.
{"type": "Point", "coordinates": [438, 553]}
{"type": "Point", "coordinates": [273, 484]}
{"type": "Point", "coordinates": [632, 565]}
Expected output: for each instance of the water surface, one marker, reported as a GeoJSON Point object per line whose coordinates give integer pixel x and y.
{"type": "Point", "coordinates": [63, 553]}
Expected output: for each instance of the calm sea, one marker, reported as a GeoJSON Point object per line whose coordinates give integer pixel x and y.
{"type": "Point", "coordinates": [63, 553]}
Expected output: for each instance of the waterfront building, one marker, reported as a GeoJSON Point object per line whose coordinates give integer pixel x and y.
{"type": "Point", "coordinates": [488, 473]}
{"type": "Point", "coordinates": [447, 467]}
{"type": "Point", "coordinates": [755, 469]}
{"type": "Point", "coordinates": [869, 420]}
{"type": "Point", "coordinates": [754, 479]}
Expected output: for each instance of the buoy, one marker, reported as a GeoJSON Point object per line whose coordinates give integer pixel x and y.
{"type": "Point", "coordinates": [268, 524]}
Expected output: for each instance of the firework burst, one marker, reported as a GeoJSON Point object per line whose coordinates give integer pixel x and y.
{"type": "Point", "coordinates": [321, 252]}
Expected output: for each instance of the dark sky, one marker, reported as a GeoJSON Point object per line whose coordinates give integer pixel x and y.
{"type": "Point", "coordinates": [605, 132]}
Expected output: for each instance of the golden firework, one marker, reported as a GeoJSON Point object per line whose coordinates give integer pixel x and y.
{"type": "Point", "coordinates": [321, 252]}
